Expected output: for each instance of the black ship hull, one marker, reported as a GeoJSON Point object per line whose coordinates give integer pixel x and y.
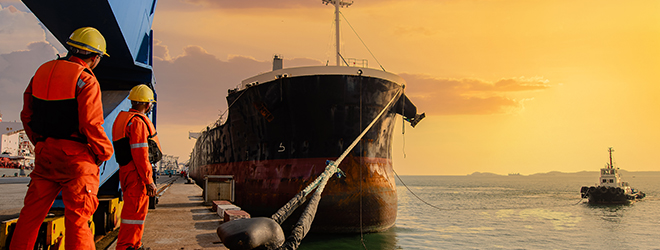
{"type": "Point", "coordinates": [284, 125]}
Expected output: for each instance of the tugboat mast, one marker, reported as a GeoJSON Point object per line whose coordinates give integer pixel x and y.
{"type": "Point", "coordinates": [337, 4]}
{"type": "Point", "coordinates": [610, 150]}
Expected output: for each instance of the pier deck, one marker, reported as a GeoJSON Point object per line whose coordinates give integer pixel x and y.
{"type": "Point", "coordinates": [181, 221]}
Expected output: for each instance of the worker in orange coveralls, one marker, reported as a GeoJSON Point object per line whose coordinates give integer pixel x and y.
{"type": "Point", "coordinates": [63, 117]}
{"type": "Point", "coordinates": [137, 147]}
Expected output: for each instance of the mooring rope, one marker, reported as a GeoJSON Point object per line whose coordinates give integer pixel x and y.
{"type": "Point", "coordinates": [304, 223]}
{"type": "Point", "coordinates": [404, 184]}
{"type": "Point", "coordinates": [490, 208]}
{"type": "Point", "coordinates": [355, 142]}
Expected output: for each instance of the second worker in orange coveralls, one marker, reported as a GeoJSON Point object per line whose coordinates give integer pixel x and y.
{"type": "Point", "coordinates": [136, 148]}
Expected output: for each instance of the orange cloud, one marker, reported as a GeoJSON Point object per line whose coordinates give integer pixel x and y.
{"type": "Point", "coordinates": [192, 88]}
{"type": "Point", "coordinates": [161, 52]}
{"type": "Point", "coordinates": [438, 96]}
{"type": "Point", "coordinates": [230, 4]}
{"type": "Point", "coordinates": [16, 70]}
{"type": "Point", "coordinates": [264, 4]}
{"type": "Point", "coordinates": [17, 29]}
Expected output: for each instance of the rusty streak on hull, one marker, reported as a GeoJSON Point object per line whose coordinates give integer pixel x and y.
{"type": "Point", "coordinates": [263, 187]}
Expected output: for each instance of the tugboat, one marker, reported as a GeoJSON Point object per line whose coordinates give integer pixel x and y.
{"type": "Point", "coordinates": [611, 189]}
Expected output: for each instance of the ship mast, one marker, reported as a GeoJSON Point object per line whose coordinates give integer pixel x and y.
{"type": "Point", "coordinates": [337, 4]}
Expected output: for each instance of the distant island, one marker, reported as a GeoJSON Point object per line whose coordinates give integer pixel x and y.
{"type": "Point", "coordinates": [630, 174]}
{"type": "Point", "coordinates": [483, 174]}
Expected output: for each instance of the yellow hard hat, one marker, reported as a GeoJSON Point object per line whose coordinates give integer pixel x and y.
{"type": "Point", "coordinates": [141, 93]}
{"type": "Point", "coordinates": [88, 39]}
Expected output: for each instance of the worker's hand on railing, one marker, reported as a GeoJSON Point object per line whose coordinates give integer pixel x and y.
{"type": "Point", "coordinates": [151, 189]}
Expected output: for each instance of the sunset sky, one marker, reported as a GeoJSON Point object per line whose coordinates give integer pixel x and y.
{"type": "Point", "coordinates": [508, 86]}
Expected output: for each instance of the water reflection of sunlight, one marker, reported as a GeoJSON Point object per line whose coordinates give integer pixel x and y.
{"type": "Point", "coordinates": [504, 213]}
{"type": "Point", "coordinates": [560, 220]}
{"type": "Point", "coordinates": [466, 230]}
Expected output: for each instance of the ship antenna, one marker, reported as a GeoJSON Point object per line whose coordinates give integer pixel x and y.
{"type": "Point", "coordinates": [611, 150]}
{"type": "Point", "coordinates": [337, 4]}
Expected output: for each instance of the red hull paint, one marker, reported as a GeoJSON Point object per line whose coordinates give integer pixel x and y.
{"type": "Point", "coordinates": [262, 187]}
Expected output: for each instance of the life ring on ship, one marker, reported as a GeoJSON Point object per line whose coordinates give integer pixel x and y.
{"type": "Point", "coordinates": [619, 191]}
{"type": "Point", "coordinates": [602, 189]}
{"type": "Point", "coordinates": [592, 189]}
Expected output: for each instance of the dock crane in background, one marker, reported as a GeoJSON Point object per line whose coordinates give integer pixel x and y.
{"type": "Point", "coordinates": [126, 26]}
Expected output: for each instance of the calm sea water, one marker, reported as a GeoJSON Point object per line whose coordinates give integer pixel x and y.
{"type": "Point", "coordinates": [511, 212]}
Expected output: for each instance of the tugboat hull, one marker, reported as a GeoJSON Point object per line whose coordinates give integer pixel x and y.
{"type": "Point", "coordinates": [609, 195]}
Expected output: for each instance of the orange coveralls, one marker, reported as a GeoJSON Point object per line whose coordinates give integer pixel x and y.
{"type": "Point", "coordinates": [63, 117]}
{"type": "Point", "coordinates": [134, 176]}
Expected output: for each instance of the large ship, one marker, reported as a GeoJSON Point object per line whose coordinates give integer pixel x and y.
{"type": "Point", "coordinates": [611, 189]}
{"type": "Point", "coordinates": [281, 128]}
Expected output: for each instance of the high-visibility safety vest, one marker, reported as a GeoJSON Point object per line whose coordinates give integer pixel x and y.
{"type": "Point", "coordinates": [54, 100]}
{"type": "Point", "coordinates": [121, 141]}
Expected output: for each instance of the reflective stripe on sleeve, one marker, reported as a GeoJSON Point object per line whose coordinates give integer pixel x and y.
{"type": "Point", "coordinates": [81, 83]}
{"type": "Point", "coordinates": [135, 222]}
{"type": "Point", "coordinates": [139, 145]}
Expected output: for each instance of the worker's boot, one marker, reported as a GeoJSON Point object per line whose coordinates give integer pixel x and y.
{"type": "Point", "coordinates": [140, 248]}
